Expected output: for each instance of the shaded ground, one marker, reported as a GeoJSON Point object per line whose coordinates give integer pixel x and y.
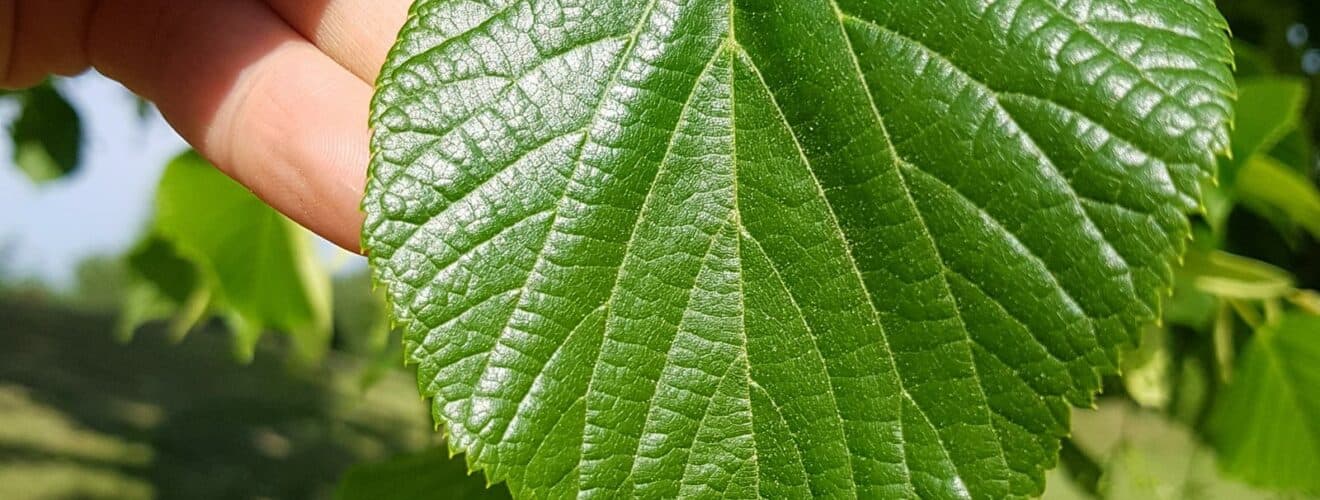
{"type": "Point", "coordinates": [82, 416]}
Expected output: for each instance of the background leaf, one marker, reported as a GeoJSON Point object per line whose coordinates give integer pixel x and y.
{"type": "Point", "coordinates": [1270, 107]}
{"type": "Point", "coordinates": [1230, 276]}
{"type": "Point", "coordinates": [47, 134]}
{"type": "Point", "coordinates": [161, 283]}
{"type": "Point", "coordinates": [1280, 193]}
{"type": "Point", "coordinates": [1266, 424]}
{"type": "Point", "coordinates": [215, 247]}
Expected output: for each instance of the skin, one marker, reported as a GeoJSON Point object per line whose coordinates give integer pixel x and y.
{"type": "Point", "coordinates": [274, 92]}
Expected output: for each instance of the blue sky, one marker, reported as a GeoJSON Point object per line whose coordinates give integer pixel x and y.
{"type": "Point", "coordinates": [103, 207]}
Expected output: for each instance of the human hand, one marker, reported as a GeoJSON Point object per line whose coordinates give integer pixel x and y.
{"type": "Point", "coordinates": [274, 92]}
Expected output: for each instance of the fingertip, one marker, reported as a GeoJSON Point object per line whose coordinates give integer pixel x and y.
{"type": "Point", "coordinates": [294, 131]}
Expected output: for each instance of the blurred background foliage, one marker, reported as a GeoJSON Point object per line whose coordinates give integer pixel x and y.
{"type": "Point", "coordinates": [152, 376]}
{"type": "Point", "coordinates": [228, 354]}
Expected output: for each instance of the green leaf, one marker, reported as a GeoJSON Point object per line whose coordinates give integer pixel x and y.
{"type": "Point", "coordinates": [1306, 300]}
{"type": "Point", "coordinates": [864, 247]}
{"type": "Point", "coordinates": [1269, 121]}
{"type": "Point", "coordinates": [1295, 150]}
{"type": "Point", "coordinates": [1268, 108]}
{"type": "Point", "coordinates": [161, 282]}
{"type": "Point", "coordinates": [429, 475]}
{"type": "Point", "coordinates": [1148, 369]}
{"type": "Point", "coordinates": [1251, 61]}
{"type": "Point", "coordinates": [1280, 194]}
{"type": "Point", "coordinates": [47, 134]}
{"type": "Point", "coordinates": [1235, 277]}
{"type": "Point", "coordinates": [157, 260]}
{"type": "Point", "coordinates": [1189, 305]}
{"type": "Point", "coordinates": [1266, 423]}
{"type": "Point", "coordinates": [1080, 467]}
{"type": "Point", "coordinates": [254, 266]}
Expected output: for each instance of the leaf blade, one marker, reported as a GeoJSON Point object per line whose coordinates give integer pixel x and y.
{"type": "Point", "coordinates": [1266, 425]}
{"type": "Point", "coordinates": [216, 238]}
{"type": "Point", "coordinates": [47, 134]}
{"type": "Point", "coordinates": [561, 227]}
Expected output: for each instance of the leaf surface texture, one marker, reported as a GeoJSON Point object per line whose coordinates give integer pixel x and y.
{"type": "Point", "coordinates": [834, 248]}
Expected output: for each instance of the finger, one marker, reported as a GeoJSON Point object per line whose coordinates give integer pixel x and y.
{"type": "Point", "coordinates": [41, 37]}
{"type": "Point", "coordinates": [253, 96]}
{"type": "Point", "coordinates": [356, 33]}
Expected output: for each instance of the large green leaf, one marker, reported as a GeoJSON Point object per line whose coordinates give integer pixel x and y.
{"type": "Point", "coordinates": [1267, 423]}
{"type": "Point", "coordinates": [784, 248]}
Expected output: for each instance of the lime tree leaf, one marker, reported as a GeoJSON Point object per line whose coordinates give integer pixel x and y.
{"type": "Point", "coordinates": [1079, 467]}
{"type": "Point", "coordinates": [1225, 275]}
{"type": "Point", "coordinates": [162, 285]}
{"type": "Point", "coordinates": [47, 134]}
{"type": "Point", "coordinates": [214, 245]}
{"type": "Point", "coordinates": [156, 260]}
{"type": "Point", "coordinates": [1251, 61]}
{"type": "Point", "coordinates": [1269, 107]}
{"type": "Point", "coordinates": [1280, 193]}
{"type": "Point", "coordinates": [836, 248]}
{"type": "Point", "coordinates": [1268, 121]}
{"type": "Point", "coordinates": [1148, 373]}
{"type": "Point", "coordinates": [429, 475]}
{"type": "Point", "coordinates": [1266, 425]}
{"type": "Point", "coordinates": [1295, 149]}
{"type": "Point", "coordinates": [1269, 146]}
